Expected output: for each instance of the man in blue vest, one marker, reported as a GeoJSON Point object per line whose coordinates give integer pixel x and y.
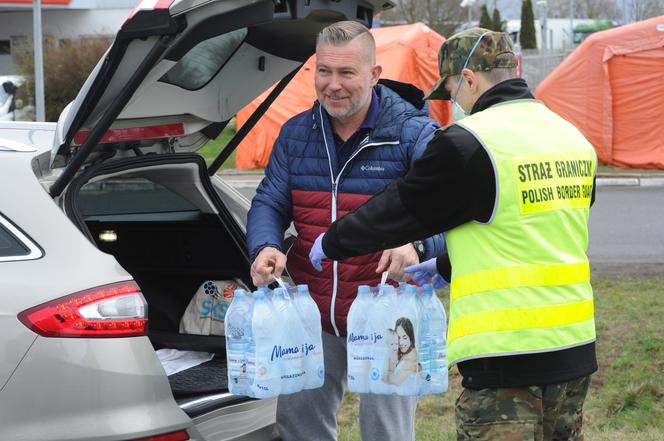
{"type": "Point", "coordinates": [358, 136]}
{"type": "Point", "coordinates": [512, 184]}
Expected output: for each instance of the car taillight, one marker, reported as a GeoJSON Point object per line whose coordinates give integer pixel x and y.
{"type": "Point", "coordinates": [174, 436]}
{"type": "Point", "coordinates": [115, 310]}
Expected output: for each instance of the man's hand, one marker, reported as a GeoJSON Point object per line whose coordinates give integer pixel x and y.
{"type": "Point", "coordinates": [425, 272]}
{"type": "Point", "coordinates": [269, 263]}
{"type": "Point", "coordinates": [395, 260]}
{"type": "Point", "coordinates": [317, 254]}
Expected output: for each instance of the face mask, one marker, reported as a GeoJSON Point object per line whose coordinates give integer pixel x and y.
{"type": "Point", "coordinates": [457, 111]}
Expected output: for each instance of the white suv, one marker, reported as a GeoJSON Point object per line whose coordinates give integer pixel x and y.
{"type": "Point", "coordinates": [109, 214]}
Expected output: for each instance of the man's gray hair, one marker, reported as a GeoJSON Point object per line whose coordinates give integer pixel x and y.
{"type": "Point", "coordinates": [343, 32]}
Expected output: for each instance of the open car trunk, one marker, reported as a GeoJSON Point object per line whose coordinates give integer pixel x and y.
{"type": "Point", "coordinates": [163, 221]}
{"type": "Point", "coordinates": [175, 75]}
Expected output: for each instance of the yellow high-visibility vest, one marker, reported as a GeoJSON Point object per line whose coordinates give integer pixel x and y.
{"type": "Point", "coordinates": [521, 282]}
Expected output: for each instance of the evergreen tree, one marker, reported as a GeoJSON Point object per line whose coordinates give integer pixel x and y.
{"type": "Point", "coordinates": [527, 36]}
{"type": "Point", "coordinates": [485, 19]}
{"type": "Point", "coordinates": [497, 21]}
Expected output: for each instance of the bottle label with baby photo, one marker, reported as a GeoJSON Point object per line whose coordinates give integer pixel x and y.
{"type": "Point", "coordinates": [396, 342]}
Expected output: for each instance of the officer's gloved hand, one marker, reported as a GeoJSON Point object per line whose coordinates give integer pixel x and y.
{"type": "Point", "coordinates": [316, 255]}
{"type": "Point", "coordinates": [425, 272]}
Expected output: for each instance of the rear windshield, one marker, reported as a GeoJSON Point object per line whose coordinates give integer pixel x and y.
{"type": "Point", "coordinates": [203, 62]}
{"type": "Point", "coordinates": [132, 199]}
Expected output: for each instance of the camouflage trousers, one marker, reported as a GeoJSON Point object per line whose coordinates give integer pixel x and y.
{"type": "Point", "coordinates": [548, 413]}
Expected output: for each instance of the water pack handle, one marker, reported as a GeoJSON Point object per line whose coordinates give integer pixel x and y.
{"type": "Point", "coordinates": [383, 280]}
{"type": "Point", "coordinates": [283, 285]}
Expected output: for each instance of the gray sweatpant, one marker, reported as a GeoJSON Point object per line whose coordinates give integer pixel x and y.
{"type": "Point", "coordinates": [311, 415]}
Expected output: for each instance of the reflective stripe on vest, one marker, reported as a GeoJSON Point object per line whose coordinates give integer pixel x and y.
{"type": "Point", "coordinates": [521, 282]}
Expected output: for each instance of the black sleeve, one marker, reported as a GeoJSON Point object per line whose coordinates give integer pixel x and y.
{"type": "Point", "coordinates": [451, 184]}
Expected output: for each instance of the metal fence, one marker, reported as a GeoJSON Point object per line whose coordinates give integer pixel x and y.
{"type": "Point", "coordinates": [536, 65]}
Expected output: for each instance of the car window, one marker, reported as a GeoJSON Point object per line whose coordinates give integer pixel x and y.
{"type": "Point", "coordinates": [14, 244]}
{"type": "Point", "coordinates": [202, 63]}
{"type": "Point", "coordinates": [132, 198]}
{"type": "Point", "coordinates": [10, 245]}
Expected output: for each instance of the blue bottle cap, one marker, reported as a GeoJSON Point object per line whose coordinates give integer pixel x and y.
{"type": "Point", "coordinates": [363, 289]}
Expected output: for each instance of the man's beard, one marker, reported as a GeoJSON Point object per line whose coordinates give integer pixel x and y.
{"type": "Point", "coordinates": [344, 114]}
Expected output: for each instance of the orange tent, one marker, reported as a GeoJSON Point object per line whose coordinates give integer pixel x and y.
{"type": "Point", "coordinates": [407, 53]}
{"type": "Point", "coordinates": [612, 88]}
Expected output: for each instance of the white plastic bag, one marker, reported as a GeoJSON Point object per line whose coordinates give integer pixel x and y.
{"type": "Point", "coordinates": [207, 309]}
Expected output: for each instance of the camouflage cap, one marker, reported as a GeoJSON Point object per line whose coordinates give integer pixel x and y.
{"type": "Point", "coordinates": [454, 52]}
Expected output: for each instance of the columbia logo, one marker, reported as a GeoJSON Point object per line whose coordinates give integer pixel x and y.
{"type": "Point", "coordinates": [374, 168]}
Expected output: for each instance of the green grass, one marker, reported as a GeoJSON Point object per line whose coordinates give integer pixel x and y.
{"type": "Point", "coordinates": [210, 150]}
{"type": "Point", "coordinates": [626, 398]}
{"type": "Point", "coordinates": [627, 395]}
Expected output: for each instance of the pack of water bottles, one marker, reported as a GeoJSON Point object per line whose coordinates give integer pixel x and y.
{"type": "Point", "coordinates": [396, 341]}
{"type": "Point", "coordinates": [273, 342]}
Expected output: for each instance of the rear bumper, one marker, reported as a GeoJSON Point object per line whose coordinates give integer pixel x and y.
{"type": "Point", "coordinates": [246, 420]}
{"type": "Point", "coordinates": [89, 389]}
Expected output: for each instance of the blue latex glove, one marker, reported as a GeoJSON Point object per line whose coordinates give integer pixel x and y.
{"type": "Point", "coordinates": [425, 272]}
{"type": "Point", "coordinates": [316, 254]}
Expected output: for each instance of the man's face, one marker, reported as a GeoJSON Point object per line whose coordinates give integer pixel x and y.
{"type": "Point", "coordinates": [344, 77]}
{"type": "Point", "coordinates": [460, 93]}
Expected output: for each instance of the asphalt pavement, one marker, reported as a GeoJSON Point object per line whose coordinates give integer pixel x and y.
{"type": "Point", "coordinates": [627, 231]}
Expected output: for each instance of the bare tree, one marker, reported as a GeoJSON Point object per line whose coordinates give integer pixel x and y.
{"type": "Point", "coordinates": [410, 10]}
{"type": "Point", "coordinates": [443, 16]}
{"type": "Point", "coordinates": [596, 9]}
{"type": "Point", "coordinates": [643, 9]}
{"type": "Point", "coordinates": [599, 9]}
{"type": "Point", "coordinates": [607, 9]}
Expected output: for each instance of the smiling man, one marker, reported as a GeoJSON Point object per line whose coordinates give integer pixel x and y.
{"type": "Point", "coordinates": [356, 139]}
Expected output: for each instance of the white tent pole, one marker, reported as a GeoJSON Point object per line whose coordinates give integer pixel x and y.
{"type": "Point", "coordinates": [39, 61]}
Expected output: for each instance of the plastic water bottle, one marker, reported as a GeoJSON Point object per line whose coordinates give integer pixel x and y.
{"type": "Point", "coordinates": [251, 346]}
{"type": "Point", "coordinates": [265, 324]}
{"type": "Point", "coordinates": [410, 308]}
{"type": "Point", "coordinates": [358, 345]}
{"type": "Point", "coordinates": [438, 334]}
{"type": "Point", "coordinates": [425, 342]}
{"type": "Point", "coordinates": [313, 350]}
{"type": "Point", "coordinates": [239, 343]}
{"type": "Point", "coordinates": [381, 307]}
{"type": "Point", "coordinates": [288, 350]}
{"type": "Point", "coordinates": [265, 290]}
